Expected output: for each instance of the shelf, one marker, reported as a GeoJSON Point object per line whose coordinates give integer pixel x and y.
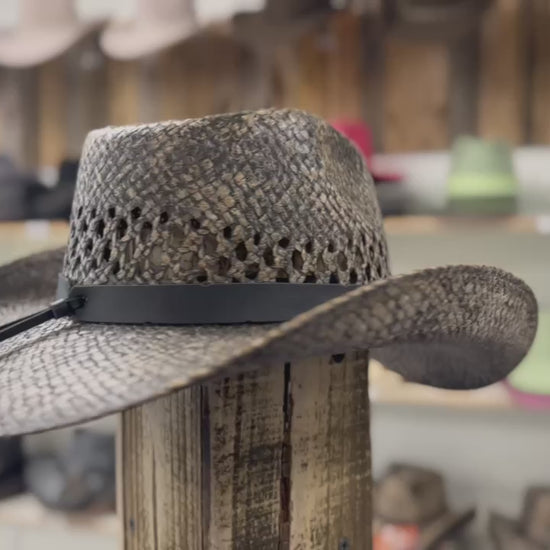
{"type": "Point", "coordinates": [26, 512]}
{"type": "Point", "coordinates": [387, 387]}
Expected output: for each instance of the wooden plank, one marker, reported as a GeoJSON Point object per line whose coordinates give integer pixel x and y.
{"type": "Point", "coordinates": [540, 122]}
{"type": "Point", "coordinates": [343, 69]}
{"type": "Point", "coordinates": [161, 457]}
{"type": "Point", "coordinates": [19, 115]}
{"type": "Point", "coordinates": [122, 92]}
{"type": "Point", "coordinates": [276, 458]}
{"type": "Point", "coordinates": [502, 87]}
{"type": "Point", "coordinates": [52, 104]}
{"type": "Point", "coordinates": [246, 433]}
{"type": "Point", "coordinates": [416, 95]}
{"type": "Point", "coordinates": [330, 455]}
{"type": "Point", "coordinates": [86, 101]}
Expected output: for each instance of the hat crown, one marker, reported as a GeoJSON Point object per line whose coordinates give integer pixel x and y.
{"type": "Point", "coordinates": [410, 495]}
{"type": "Point", "coordinates": [164, 10]}
{"type": "Point", "coordinates": [38, 13]}
{"type": "Point", "coordinates": [269, 196]}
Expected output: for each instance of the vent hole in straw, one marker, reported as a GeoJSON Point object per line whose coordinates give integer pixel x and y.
{"type": "Point", "coordinates": [334, 279]}
{"type": "Point", "coordinates": [163, 218]}
{"type": "Point", "coordinates": [353, 276]}
{"type": "Point", "coordinates": [146, 230]}
{"type": "Point", "coordinates": [107, 253]}
{"type": "Point", "coordinates": [195, 224]}
{"type": "Point", "coordinates": [284, 242]}
{"type": "Point", "coordinates": [241, 251]}
{"type": "Point", "coordinates": [342, 261]}
{"type": "Point", "coordinates": [282, 276]}
{"type": "Point", "coordinates": [79, 213]}
{"type": "Point", "coordinates": [223, 265]}
{"type": "Point", "coordinates": [135, 213]}
{"type": "Point", "coordinates": [112, 212]}
{"type": "Point", "coordinates": [331, 246]}
{"type": "Point", "coordinates": [257, 239]}
{"type": "Point", "coordinates": [121, 228]}
{"type": "Point", "coordinates": [363, 239]}
{"type": "Point", "coordinates": [210, 244]}
{"type": "Point", "coordinates": [269, 259]}
{"type": "Point", "coordinates": [297, 260]}
{"type": "Point", "coordinates": [100, 228]}
{"type": "Point", "coordinates": [309, 247]}
{"type": "Point", "coordinates": [94, 263]}
{"type": "Point", "coordinates": [93, 213]}
{"type": "Point", "coordinates": [116, 267]}
{"type": "Point", "coordinates": [202, 277]}
{"type": "Point", "coordinates": [227, 232]}
{"type": "Point", "coordinates": [89, 246]}
{"type": "Point", "coordinates": [252, 271]}
{"type": "Point", "coordinates": [368, 272]}
{"type": "Point", "coordinates": [310, 278]}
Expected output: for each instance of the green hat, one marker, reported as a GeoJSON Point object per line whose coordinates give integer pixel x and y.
{"type": "Point", "coordinates": [533, 374]}
{"type": "Point", "coordinates": [481, 169]}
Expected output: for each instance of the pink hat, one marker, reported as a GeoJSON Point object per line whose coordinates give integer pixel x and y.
{"type": "Point", "coordinates": [359, 133]}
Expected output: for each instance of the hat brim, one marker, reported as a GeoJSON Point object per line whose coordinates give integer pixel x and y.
{"type": "Point", "coordinates": [506, 534]}
{"type": "Point", "coordinates": [437, 531]}
{"type": "Point", "coordinates": [452, 327]}
{"type": "Point", "coordinates": [135, 40]}
{"type": "Point", "coordinates": [30, 47]}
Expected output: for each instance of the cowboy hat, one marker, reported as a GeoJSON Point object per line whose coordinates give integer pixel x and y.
{"type": "Point", "coordinates": [532, 532]}
{"type": "Point", "coordinates": [359, 133]}
{"type": "Point", "coordinates": [44, 31]}
{"type": "Point", "coordinates": [263, 227]}
{"type": "Point", "coordinates": [156, 25]}
{"type": "Point", "coordinates": [413, 499]}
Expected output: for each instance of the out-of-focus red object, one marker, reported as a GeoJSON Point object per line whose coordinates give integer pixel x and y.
{"type": "Point", "coordinates": [359, 133]}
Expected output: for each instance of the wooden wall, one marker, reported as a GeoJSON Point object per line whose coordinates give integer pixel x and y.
{"type": "Point", "coordinates": [416, 94]}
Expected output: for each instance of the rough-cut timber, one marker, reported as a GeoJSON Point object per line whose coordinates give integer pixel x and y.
{"type": "Point", "coordinates": [275, 458]}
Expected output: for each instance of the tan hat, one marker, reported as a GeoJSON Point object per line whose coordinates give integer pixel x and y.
{"type": "Point", "coordinates": [199, 247]}
{"type": "Point", "coordinates": [532, 532]}
{"type": "Point", "coordinates": [45, 29]}
{"type": "Point", "coordinates": [415, 497]}
{"type": "Point", "coordinates": [156, 25]}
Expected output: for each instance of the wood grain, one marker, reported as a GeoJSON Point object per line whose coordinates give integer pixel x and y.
{"type": "Point", "coordinates": [123, 92]}
{"type": "Point", "coordinates": [330, 450]}
{"type": "Point", "coordinates": [416, 95]}
{"type": "Point", "coordinates": [502, 86]}
{"type": "Point", "coordinates": [275, 458]}
{"type": "Point", "coordinates": [19, 116]}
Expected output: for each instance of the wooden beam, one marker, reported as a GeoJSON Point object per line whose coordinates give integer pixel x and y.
{"type": "Point", "coordinates": [275, 458]}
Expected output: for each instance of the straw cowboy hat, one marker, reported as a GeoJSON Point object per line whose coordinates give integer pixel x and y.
{"type": "Point", "coordinates": [202, 246]}
{"type": "Point", "coordinates": [44, 31]}
{"type": "Point", "coordinates": [412, 500]}
{"type": "Point", "coordinates": [156, 25]}
{"type": "Point", "coordinates": [532, 532]}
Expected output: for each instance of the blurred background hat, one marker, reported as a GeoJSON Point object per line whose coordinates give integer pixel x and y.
{"type": "Point", "coordinates": [414, 498]}
{"type": "Point", "coordinates": [45, 29]}
{"type": "Point", "coordinates": [360, 134]}
{"type": "Point", "coordinates": [482, 177]}
{"type": "Point", "coordinates": [529, 383]}
{"type": "Point", "coordinates": [532, 532]}
{"type": "Point", "coordinates": [155, 26]}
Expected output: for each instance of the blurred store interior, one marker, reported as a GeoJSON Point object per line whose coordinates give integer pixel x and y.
{"type": "Point", "coordinates": [433, 92]}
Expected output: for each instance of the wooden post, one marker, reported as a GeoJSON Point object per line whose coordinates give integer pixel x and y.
{"type": "Point", "coordinates": [277, 457]}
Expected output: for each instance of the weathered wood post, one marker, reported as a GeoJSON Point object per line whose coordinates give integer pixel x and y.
{"type": "Point", "coordinates": [277, 457]}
